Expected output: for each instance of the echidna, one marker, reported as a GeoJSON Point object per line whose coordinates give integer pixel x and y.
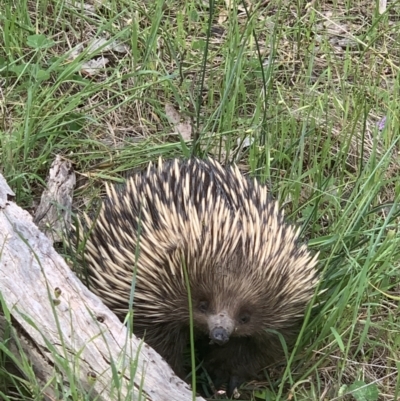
{"type": "Point", "coordinates": [249, 278]}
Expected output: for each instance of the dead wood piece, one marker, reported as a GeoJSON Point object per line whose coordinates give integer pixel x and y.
{"type": "Point", "coordinates": [54, 211]}
{"type": "Point", "coordinates": [53, 309]}
{"type": "Point", "coordinates": [6, 194]}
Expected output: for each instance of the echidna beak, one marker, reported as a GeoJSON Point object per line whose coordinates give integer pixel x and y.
{"type": "Point", "coordinates": [219, 336]}
{"type": "Point", "coordinates": [220, 326]}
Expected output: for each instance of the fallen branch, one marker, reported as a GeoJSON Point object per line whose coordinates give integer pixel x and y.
{"type": "Point", "coordinates": [62, 327]}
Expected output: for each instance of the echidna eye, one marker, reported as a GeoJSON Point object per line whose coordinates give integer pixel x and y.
{"type": "Point", "coordinates": [244, 318]}
{"type": "Point", "coordinates": [203, 306]}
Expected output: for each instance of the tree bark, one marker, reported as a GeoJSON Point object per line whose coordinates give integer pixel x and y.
{"type": "Point", "coordinates": [62, 327]}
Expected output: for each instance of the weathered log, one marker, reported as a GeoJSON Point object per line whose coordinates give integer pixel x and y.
{"type": "Point", "coordinates": [54, 211]}
{"type": "Point", "coordinates": [59, 319]}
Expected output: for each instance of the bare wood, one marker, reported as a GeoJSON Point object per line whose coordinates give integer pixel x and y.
{"type": "Point", "coordinates": [32, 275]}
{"type": "Point", "coordinates": [6, 193]}
{"type": "Point", "coordinates": [54, 211]}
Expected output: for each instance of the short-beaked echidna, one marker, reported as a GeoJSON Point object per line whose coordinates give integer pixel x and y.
{"type": "Point", "coordinates": [247, 273]}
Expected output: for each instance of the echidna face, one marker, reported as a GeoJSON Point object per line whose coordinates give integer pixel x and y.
{"type": "Point", "coordinates": [222, 320]}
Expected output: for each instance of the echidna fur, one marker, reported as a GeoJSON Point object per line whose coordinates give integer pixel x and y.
{"type": "Point", "coordinates": [246, 270]}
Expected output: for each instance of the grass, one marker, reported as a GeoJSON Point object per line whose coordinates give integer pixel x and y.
{"type": "Point", "coordinates": [291, 92]}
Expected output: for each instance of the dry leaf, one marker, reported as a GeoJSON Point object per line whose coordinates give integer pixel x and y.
{"type": "Point", "coordinates": [182, 126]}
{"type": "Point", "coordinates": [92, 67]}
{"type": "Point", "coordinates": [382, 6]}
{"type": "Point", "coordinates": [173, 116]}
{"type": "Point", "coordinates": [76, 52]}
{"type": "Point", "coordinates": [223, 16]}
{"type": "Point", "coordinates": [96, 44]}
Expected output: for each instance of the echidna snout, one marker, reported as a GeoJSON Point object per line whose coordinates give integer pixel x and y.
{"type": "Point", "coordinates": [221, 327]}
{"type": "Point", "coordinates": [219, 336]}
